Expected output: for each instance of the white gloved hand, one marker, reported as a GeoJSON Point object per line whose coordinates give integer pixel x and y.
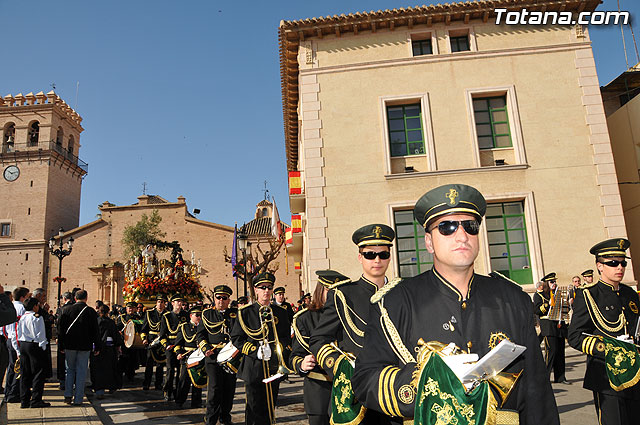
{"type": "Point", "coordinates": [264, 351]}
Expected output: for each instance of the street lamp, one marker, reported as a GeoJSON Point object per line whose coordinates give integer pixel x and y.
{"type": "Point", "coordinates": [242, 244]}
{"type": "Point", "coordinates": [60, 252]}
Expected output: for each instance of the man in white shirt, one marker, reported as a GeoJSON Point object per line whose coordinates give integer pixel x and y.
{"type": "Point", "coordinates": [33, 342]}
{"type": "Point", "coordinates": [12, 389]}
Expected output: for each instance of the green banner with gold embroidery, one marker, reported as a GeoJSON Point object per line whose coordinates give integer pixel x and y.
{"type": "Point", "coordinates": [441, 397]}
{"type": "Point", "coordinates": [623, 363]}
{"type": "Point", "coordinates": [345, 409]}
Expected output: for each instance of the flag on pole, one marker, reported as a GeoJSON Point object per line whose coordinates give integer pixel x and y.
{"type": "Point", "coordinates": [275, 222]}
{"type": "Point", "coordinates": [234, 257]}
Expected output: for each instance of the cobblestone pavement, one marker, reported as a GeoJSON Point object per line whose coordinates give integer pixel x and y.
{"type": "Point", "coordinates": [132, 406]}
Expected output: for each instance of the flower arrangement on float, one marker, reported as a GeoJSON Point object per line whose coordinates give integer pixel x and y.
{"type": "Point", "coordinates": [146, 276]}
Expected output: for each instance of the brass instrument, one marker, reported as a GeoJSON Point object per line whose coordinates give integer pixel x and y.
{"type": "Point", "coordinates": [266, 320]}
{"type": "Point", "coordinates": [559, 303]}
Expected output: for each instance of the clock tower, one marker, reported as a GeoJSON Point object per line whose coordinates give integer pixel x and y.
{"type": "Point", "coordinates": [40, 183]}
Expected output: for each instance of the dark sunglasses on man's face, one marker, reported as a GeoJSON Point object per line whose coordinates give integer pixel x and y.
{"type": "Point", "coordinates": [449, 227]}
{"type": "Point", "coordinates": [614, 263]}
{"type": "Point", "coordinates": [221, 297]}
{"type": "Point", "coordinates": [265, 288]}
{"type": "Point", "coordinates": [371, 255]}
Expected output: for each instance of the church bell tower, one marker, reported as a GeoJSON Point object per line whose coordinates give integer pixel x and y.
{"type": "Point", "coordinates": [40, 184]}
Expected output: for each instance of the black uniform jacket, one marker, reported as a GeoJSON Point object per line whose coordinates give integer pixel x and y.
{"type": "Point", "coordinates": [123, 319]}
{"type": "Point", "coordinates": [186, 341]}
{"type": "Point", "coordinates": [169, 327]}
{"type": "Point", "coordinates": [7, 311]}
{"type": "Point", "coordinates": [541, 309]}
{"type": "Point", "coordinates": [587, 318]}
{"type": "Point", "coordinates": [317, 385]}
{"type": "Point", "coordinates": [248, 322]}
{"type": "Point", "coordinates": [289, 309]}
{"type": "Point", "coordinates": [214, 330]}
{"type": "Point", "coordinates": [428, 307]}
{"type": "Point", "coordinates": [343, 321]}
{"type": "Point", "coordinates": [151, 326]}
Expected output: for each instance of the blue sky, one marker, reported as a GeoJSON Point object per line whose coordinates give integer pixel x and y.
{"type": "Point", "coordinates": [184, 95]}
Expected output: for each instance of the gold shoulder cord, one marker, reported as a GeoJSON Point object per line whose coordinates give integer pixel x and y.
{"type": "Point", "coordinates": [212, 327]}
{"type": "Point", "coordinates": [251, 333]}
{"type": "Point", "coordinates": [184, 333]}
{"type": "Point", "coordinates": [599, 319]}
{"type": "Point", "coordinates": [347, 318]}
{"type": "Point", "coordinates": [390, 331]}
{"type": "Point", "coordinates": [153, 326]}
{"type": "Point", "coordinates": [173, 331]}
{"type": "Point", "coordinates": [299, 336]}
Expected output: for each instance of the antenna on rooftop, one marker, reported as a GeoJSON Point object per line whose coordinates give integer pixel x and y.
{"type": "Point", "coordinates": [266, 191]}
{"type": "Point", "coordinates": [77, 90]}
{"type": "Point", "coordinates": [144, 188]}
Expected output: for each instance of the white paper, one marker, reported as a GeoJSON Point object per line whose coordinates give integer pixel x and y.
{"type": "Point", "coordinates": [494, 361]}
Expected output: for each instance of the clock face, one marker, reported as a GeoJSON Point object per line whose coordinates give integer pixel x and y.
{"type": "Point", "coordinates": [11, 173]}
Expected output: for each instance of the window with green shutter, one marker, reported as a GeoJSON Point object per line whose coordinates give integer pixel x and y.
{"type": "Point", "coordinates": [508, 242]}
{"type": "Point", "coordinates": [413, 257]}
{"type": "Point", "coordinates": [492, 122]}
{"type": "Point", "coordinates": [406, 136]}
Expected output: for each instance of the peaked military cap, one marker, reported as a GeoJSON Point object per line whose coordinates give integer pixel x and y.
{"type": "Point", "coordinates": [195, 309]}
{"type": "Point", "coordinates": [587, 273]}
{"type": "Point", "coordinates": [177, 297]}
{"type": "Point", "coordinates": [243, 300]}
{"type": "Point", "coordinates": [222, 289]}
{"type": "Point", "coordinates": [265, 277]}
{"type": "Point", "coordinates": [549, 276]}
{"type": "Point", "coordinates": [374, 235]}
{"type": "Point", "coordinates": [330, 277]}
{"type": "Point", "coordinates": [161, 297]}
{"type": "Point", "coordinates": [132, 304]}
{"type": "Point", "coordinates": [611, 248]}
{"type": "Point", "coordinates": [449, 199]}
{"type": "Point", "coordinates": [279, 290]}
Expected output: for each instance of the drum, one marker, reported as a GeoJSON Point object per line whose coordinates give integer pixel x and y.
{"type": "Point", "coordinates": [196, 369]}
{"type": "Point", "coordinates": [132, 339]}
{"type": "Point", "coordinates": [157, 352]}
{"type": "Point", "coordinates": [229, 358]}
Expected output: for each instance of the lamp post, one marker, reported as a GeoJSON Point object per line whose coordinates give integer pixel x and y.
{"type": "Point", "coordinates": [60, 252]}
{"type": "Point", "coordinates": [242, 244]}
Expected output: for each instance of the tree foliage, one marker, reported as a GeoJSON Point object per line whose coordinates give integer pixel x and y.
{"type": "Point", "coordinates": [144, 232]}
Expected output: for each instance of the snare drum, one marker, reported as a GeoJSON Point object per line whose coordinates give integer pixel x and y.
{"type": "Point", "coordinates": [196, 369]}
{"type": "Point", "coordinates": [229, 358]}
{"type": "Point", "coordinates": [132, 339]}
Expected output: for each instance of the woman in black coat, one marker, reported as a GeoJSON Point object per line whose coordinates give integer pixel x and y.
{"type": "Point", "coordinates": [104, 365]}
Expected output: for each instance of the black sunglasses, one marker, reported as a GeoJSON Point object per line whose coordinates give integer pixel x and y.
{"type": "Point", "coordinates": [371, 255]}
{"type": "Point", "coordinates": [449, 227]}
{"type": "Point", "coordinates": [265, 288]}
{"type": "Point", "coordinates": [221, 297]}
{"type": "Point", "coordinates": [614, 263]}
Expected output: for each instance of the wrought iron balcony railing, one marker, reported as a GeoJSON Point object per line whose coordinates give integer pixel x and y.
{"type": "Point", "coordinates": [9, 149]}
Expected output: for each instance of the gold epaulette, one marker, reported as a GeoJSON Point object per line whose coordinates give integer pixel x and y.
{"type": "Point", "coordinates": [244, 306]}
{"type": "Point", "coordinates": [298, 313]}
{"type": "Point", "coordinates": [588, 285]}
{"type": "Point", "coordinates": [380, 293]}
{"type": "Point", "coordinates": [339, 283]}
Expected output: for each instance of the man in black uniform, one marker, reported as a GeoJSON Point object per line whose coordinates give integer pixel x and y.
{"type": "Point", "coordinates": [607, 308]}
{"type": "Point", "coordinates": [346, 312]}
{"type": "Point", "coordinates": [587, 275]}
{"type": "Point", "coordinates": [186, 343]}
{"type": "Point", "coordinates": [128, 361]}
{"type": "Point", "coordinates": [213, 334]}
{"type": "Point", "coordinates": [279, 299]}
{"type": "Point", "coordinates": [168, 333]}
{"type": "Point", "coordinates": [317, 384]}
{"type": "Point", "coordinates": [553, 332]}
{"type": "Point", "coordinates": [149, 334]}
{"type": "Point", "coordinates": [451, 304]}
{"type": "Point", "coordinates": [253, 334]}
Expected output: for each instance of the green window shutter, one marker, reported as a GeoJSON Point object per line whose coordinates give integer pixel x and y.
{"type": "Point", "coordinates": [508, 242]}
{"type": "Point", "coordinates": [492, 122]}
{"type": "Point", "coordinates": [413, 257]}
{"type": "Point", "coordinates": [406, 136]}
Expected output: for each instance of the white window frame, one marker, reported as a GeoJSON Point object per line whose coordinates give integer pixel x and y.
{"type": "Point", "coordinates": [423, 35]}
{"type": "Point", "coordinates": [517, 141]}
{"type": "Point", "coordinates": [427, 128]}
{"type": "Point", "coordinates": [533, 236]}
{"type": "Point", "coordinates": [457, 32]}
